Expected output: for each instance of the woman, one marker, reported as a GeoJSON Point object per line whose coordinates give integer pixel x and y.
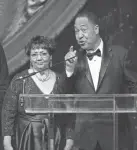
{"type": "Point", "coordinates": [32, 129]}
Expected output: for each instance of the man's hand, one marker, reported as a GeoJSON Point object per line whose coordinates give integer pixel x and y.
{"type": "Point", "coordinates": [71, 63]}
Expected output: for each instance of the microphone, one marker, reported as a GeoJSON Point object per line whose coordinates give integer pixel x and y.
{"type": "Point", "coordinates": [33, 73]}
{"type": "Point", "coordinates": [24, 77]}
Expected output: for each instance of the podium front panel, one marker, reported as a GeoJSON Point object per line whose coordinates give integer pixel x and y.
{"type": "Point", "coordinates": [67, 103]}
{"type": "Point", "coordinates": [95, 114]}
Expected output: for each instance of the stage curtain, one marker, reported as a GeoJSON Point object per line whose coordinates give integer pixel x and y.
{"type": "Point", "coordinates": [50, 21]}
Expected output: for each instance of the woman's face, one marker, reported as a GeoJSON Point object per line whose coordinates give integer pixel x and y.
{"type": "Point", "coordinates": [40, 58]}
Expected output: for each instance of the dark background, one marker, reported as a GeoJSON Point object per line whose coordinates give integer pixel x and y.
{"type": "Point", "coordinates": [118, 25]}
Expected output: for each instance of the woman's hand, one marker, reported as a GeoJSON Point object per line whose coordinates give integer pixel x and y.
{"type": "Point", "coordinates": [51, 144]}
{"type": "Point", "coordinates": [8, 147]}
{"type": "Point", "coordinates": [7, 143]}
{"type": "Point", "coordinates": [69, 144]}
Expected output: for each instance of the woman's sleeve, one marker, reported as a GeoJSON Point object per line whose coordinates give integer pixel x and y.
{"type": "Point", "coordinates": [66, 120]}
{"type": "Point", "coordinates": [70, 125]}
{"type": "Point", "coordinates": [9, 109]}
{"type": "Point", "coordinates": [4, 75]}
{"type": "Point", "coordinates": [66, 85]}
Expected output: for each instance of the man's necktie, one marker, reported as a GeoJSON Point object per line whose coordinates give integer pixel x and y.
{"type": "Point", "coordinates": [96, 53]}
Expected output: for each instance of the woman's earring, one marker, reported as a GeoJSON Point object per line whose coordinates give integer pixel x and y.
{"type": "Point", "coordinates": [31, 65]}
{"type": "Point", "coordinates": [50, 64]}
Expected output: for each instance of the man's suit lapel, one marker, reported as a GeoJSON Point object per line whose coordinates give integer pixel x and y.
{"type": "Point", "coordinates": [107, 56]}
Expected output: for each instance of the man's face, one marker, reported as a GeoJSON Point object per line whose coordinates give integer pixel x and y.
{"type": "Point", "coordinates": [86, 33]}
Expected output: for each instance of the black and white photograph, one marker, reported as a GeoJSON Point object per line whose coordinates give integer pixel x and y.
{"type": "Point", "coordinates": [68, 75]}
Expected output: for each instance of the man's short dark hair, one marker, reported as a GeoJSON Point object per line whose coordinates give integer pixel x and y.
{"type": "Point", "coordinates": [90, 15]}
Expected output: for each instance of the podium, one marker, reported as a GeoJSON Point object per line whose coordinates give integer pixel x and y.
{"type": "Point", "coordinates": [113, 104]}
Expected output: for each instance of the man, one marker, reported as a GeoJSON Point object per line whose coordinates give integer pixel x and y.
{"type": "Point", "coordinates": [97, 69]}
{"type": "Point", "coordinates": [4, 80]}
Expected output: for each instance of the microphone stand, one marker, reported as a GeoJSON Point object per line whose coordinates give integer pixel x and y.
{"type": "Point", "coordinates": [33, 73]}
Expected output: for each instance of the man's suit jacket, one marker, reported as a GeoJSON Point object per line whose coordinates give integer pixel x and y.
{"type": "Point", "coordinates": [117, 72]}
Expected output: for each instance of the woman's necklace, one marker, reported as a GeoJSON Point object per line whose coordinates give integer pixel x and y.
{"type": "Point", "coordinates": [45, 77]}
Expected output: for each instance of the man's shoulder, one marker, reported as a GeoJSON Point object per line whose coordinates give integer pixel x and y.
{"type": "Point", "coordinates": [118, 50]}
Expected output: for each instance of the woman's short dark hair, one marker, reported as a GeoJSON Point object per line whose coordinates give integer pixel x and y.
{"type": "Point", "coordinates": [40, 42]}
